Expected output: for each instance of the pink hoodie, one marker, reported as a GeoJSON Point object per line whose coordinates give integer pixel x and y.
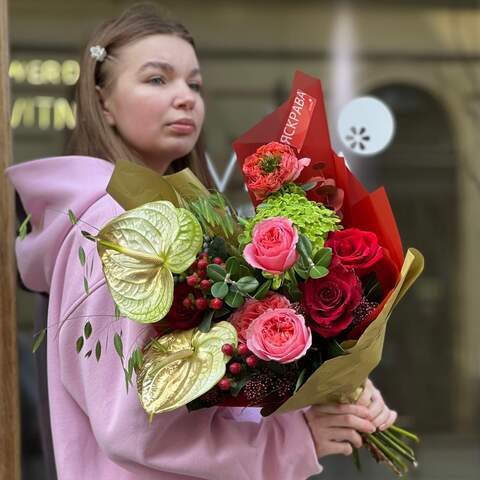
{"type": "Point", "coordinates": [99, 431]}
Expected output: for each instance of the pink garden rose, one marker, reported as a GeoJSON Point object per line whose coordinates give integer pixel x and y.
{"type": "Point", "coordinates": [279, 335]}
{"type": "Point", "coordinates": [270, 167]}
{"type": "Point", "coordinates": [273, 246]}
{"type": "Point", "coordinates": [252, 309]}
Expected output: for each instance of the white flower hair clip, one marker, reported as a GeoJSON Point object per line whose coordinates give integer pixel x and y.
{"type": "Point", "coordinates": [98, 53]}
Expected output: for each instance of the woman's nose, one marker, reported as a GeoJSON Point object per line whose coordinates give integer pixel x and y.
{"type": "Point", "coordinates": [184, 97]}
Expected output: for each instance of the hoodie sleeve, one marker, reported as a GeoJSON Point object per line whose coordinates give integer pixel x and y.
{"type": "Point", "coordinates": [211, 443]}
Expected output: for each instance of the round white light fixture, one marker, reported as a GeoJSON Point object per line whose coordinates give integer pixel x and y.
{"type": "Point", "coordinates": [366, 126]}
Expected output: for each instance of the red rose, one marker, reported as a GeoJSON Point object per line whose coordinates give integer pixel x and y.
{"type": "Point", "coordinates": [330, 300]}
{"type": "Point", "coordinates": [179, 317]}
{"type": "Point", "coordinates": [355, 249]}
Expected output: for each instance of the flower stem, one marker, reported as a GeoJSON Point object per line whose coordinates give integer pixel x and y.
{"type": "Point", "coordinates": [396, 446]}
{"type": "Point", "coordinates": [404, 433]}
{"type": "Point", "coordinates": [401, 468]}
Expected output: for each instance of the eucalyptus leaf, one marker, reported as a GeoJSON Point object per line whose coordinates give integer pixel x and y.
{"type": "Point", "coordinates": [87, 355]}
{"type": "Point", "coordinates": [234, 299]}
{"type": "Point", "coordinates": [304, 245]}
{"type": "Point", "coordinates": [318, 272]}
{"type": "Point", "coordinates": [244, 271]}
{"type": "Point", "coordinates": [247, 284]}
{"type": "Point", "coordinates": [216, 273]}
{"type": "Point", "coordinates": [301, 272]}
{"type": "Point", "coordinates": [232, 265]}
{"type": "Point", "coordinates": [323, 257]}
{"type": "Point", "coordinates": [219, 289]}
{"type": "Point", "coordinates": [39, 337]}
{"type": "Point", "coordinates": [263, 290]}
{"type": "Point", "coordinates": [117, 312]}
{"type": "Point", "coordinates": [140, 249]}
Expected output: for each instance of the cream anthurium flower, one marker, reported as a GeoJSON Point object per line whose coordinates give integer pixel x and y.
{"type": "Point", "coordinates": [140, 250]}
{"type": "Point", "coordinates": [183, 365]}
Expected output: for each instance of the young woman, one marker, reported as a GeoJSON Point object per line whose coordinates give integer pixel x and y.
{"type": "Point", "coordinates": [139, 98]}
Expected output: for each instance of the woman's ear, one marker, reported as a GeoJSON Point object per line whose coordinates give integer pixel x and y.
{"type": "Point", "coordinates": [105, 106]}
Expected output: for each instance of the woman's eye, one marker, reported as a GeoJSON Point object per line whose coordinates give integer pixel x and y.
{"type": "Point", "coordinates": [196, 87]}
{"type": "Point", "coordinates": [157, 81]}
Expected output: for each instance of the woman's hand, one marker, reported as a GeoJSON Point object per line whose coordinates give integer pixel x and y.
{"type": "Point", "coordinates": [381, 416]}
{"type": "Point", "coordinates": [335, 427]}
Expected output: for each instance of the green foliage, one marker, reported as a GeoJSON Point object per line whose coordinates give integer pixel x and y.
{"type": "Point", "coordinates": [79, 344]}
{"type": "Point", "coordinates": [216, 273]}
{"type": "Point", "coordinates": [38, 339]}
{"type": "Point", "coordinates": [318, 271]}
{"type": "Point", "coordinates": [85, 286]}
{"type": "Point", "coordinates": [263, 290]}
{"type": "Point", "coordinates": [81, 256]}
{"type": "Point", "coordinates": [217, 247]}
{"type": "Point", "coordinates": [219, 289]}
{"type": "Point", "coordinates": [73, 218]}
{"type": "Point", "coordinates": [234, 299]}
{"type": "Point", "coordinates": [87, 330]}
{"type": "Point", "coordinates": [247, 284]}
{"type": "Point", "coordinates": [22, 230]}
{"type": "Point", "coordinates": [206, 322]}
{"type": "Point", "coordinates": [117, 341]}
{"type": "Point", "coordinates": [215, 215]}
{"type": "Point", "coordinates": [98, 350]}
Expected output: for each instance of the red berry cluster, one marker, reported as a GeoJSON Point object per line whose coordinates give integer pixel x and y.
{"type": "Point", "coordinates": [196, 279]}
{"type": "Point", "coordinates": [242, 360]}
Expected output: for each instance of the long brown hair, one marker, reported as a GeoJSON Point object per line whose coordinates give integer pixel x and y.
{"type": "Point", "coordinates": [92, 136]}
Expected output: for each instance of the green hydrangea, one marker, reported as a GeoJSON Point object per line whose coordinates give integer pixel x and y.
{"type": "Point", "coordinates": [312, 219]}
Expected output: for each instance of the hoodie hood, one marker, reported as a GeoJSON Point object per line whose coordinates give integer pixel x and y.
{"type": "Point", "coordinates": [48, 188]}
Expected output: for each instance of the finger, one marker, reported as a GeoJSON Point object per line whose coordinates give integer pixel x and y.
{"type": "Point", "coordinates": [382, 417]}
{"type": "Point", "coordinates": [338, 448]}
{"type": "Point", "coordinates": [349, 421]}
{"type": "Point", "coordinates": [365, 398]}
{"type": "Point", "coordinates": [391, 420]}
{"type": "Point", "coordinates": [340, 409]}
{"type": "Point", "coordinates": [345, 435]}
{"type": "Point", "coordinates": [376, 406]}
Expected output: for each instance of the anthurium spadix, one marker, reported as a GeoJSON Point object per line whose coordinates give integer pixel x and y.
{"type": "Point", "coordinates": [140, 250]}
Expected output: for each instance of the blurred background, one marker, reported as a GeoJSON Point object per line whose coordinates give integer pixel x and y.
{"type": "Point", "coordinates": [416, 133]}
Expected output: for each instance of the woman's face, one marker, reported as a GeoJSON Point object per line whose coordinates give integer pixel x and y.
{"type": "Point", "coordinates": [155, 101]}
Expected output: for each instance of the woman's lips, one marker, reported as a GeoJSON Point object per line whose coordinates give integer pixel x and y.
{"type": "Point", "coordinates": [184, 126]}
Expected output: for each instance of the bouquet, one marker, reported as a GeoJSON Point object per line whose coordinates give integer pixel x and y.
{"type": "Point", "coordinates": [282, 310]}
